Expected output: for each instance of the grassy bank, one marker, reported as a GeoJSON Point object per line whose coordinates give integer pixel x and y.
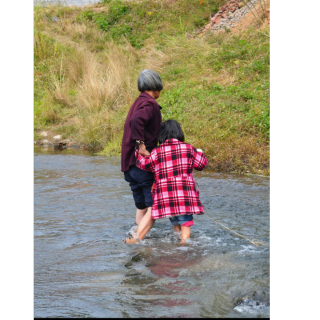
{"type": "Point", "coordinates": [87, 61]}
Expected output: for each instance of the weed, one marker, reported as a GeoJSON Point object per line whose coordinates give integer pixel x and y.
{"type": "Point", "coordinates": [86, 15]}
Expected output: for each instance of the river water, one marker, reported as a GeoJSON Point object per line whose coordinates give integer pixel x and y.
{"type": "Point", "coordinates": [83, 208]}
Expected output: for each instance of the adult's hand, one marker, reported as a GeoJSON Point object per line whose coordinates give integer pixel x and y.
{"type": "Point", "coordinates": [142, 150]}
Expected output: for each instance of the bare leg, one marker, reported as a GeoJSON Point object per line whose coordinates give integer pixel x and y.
{"type": "Point", "coordinates": [177, 228]}
{"type": "Point", "coordinates": [139, 215]}
{"type": "Point", "coordinates": [144, 226]}
{"type": "Point", "coordinates": [185, 234]}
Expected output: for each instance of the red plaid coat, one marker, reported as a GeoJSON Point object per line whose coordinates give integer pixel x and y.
{"type": "Point", "coordinates": [174, 192]}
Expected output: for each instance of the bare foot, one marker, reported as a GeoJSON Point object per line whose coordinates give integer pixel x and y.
{"type": "Point", "coordinates": [130, 240]}
{"type": "Point", "coordinates": [132, 237]}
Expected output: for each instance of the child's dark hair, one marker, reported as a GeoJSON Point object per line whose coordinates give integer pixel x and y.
{"type": "Point", "coordinates": [170, 129]}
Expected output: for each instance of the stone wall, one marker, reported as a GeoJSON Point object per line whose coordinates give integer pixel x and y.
{"type": "Point", "coordinates": [77, 3]}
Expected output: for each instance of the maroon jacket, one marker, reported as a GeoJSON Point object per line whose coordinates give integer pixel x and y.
{"type": "Point", "coordinates": [143, 123]}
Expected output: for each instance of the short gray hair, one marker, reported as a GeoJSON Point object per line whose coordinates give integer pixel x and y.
{"type": "Point", "coordinates": [149, 80]}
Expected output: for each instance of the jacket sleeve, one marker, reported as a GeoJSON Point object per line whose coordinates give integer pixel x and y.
{"type": "Point", "coordinates": [139, 120]}
{"type": "Point", "coordinates": [147, 163]}
{"type": "Point", "coordinates": [200, 161]}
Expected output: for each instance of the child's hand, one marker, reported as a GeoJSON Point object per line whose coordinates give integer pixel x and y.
{"type": "Point", "coordinates": [199, 150]}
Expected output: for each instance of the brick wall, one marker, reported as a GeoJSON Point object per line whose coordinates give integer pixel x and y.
{"type": "Point", "coordinates": [66, 2]}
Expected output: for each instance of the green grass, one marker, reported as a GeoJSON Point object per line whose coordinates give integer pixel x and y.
{"type": "Point", "coordinates": [138, 21]}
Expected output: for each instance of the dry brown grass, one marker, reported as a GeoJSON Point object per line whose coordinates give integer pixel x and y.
{"type": "Point", "coordinates": [101, 86]}
{"type": "Point", "coordinates": [225, 78]}
{"type": "Point", "coordinates": [153, 58]}
{"type": "Point", "coordinates": [61, 88]}
{"type": "Point", "coordinates": [239, 154]}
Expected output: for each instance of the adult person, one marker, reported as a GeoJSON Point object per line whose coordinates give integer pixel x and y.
{"type": "Point", "coordinates": [141, 131]}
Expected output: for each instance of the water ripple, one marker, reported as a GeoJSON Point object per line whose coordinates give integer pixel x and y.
{"type": "Point", "coordinates": [84, 208]}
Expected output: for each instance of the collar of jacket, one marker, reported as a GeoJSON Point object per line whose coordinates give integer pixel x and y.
{"type": "Point", "coordinates": [146, 95]}
{"type": "Point", "coordinates": [172, 141]}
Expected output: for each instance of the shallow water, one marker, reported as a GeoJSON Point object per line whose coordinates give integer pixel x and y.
{"type": "Point", "coordinates": [82, 210]}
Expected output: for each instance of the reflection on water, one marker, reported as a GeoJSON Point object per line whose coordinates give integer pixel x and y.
{"type": "Point", "coordinates": [83, 209]}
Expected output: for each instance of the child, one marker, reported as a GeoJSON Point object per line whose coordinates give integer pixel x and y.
{"type": "Point", "coordinates": [175, 195]}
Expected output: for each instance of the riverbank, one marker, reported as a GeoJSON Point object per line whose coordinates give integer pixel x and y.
{"type": "Point", "coordinates": [56, 142]}
{"type": "Point", "coordinates": [216, 84]}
